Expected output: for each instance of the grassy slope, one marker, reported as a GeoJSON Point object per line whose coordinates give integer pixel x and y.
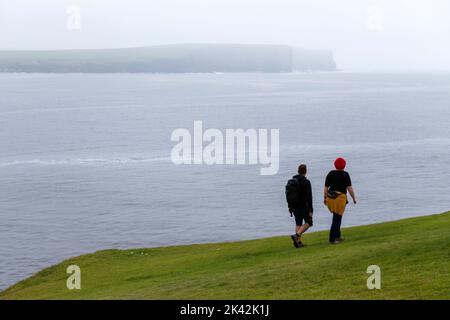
{"type": "Point", "coordinates": [413, 254]}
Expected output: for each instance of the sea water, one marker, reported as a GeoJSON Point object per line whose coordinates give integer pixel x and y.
{"type": "Point", "coordinates": [85, 159]}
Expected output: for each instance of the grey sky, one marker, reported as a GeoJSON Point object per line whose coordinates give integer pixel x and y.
{"type": "Point", "coordinates": [363, 34]}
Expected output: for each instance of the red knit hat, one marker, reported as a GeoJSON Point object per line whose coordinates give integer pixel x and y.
{"type": "Point", "coordinates": [340, 163]}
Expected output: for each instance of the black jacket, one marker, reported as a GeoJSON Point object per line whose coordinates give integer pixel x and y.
{"type": "Point", "coordinates": [305, 201]}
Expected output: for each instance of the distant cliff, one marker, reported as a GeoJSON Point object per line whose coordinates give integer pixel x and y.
{"type": "Point", "coordinates": [171, 59]}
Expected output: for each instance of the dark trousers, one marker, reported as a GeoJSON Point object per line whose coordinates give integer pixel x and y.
{"type": "Point", "coordinates": [335, 231]}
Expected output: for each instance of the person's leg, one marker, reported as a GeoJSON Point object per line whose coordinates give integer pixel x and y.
{"type": "Point", "coordinates": [299, 230]}
{"type": "Point", "coordinates": [331, 236]}
{"type": "Point", "coordinates": [298, 214]}
{"type": "Point", "coordinates": [297, 237]}
{"type": "Point", "coordinates": [308, 224]}
{"type": "Point", "coordinates": [334, 227]}
{"type": "Point", "coordinates": [307, 217]}
{"type": "Point", "coordinates": [298, 225]}
{"type": "Point", "coordinates": [302, 229]}
{"type": "Point", "coordinates": [335, 231]}
{"type": "Point", "coordinates": [338, 226]}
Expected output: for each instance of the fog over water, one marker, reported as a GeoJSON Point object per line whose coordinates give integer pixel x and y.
{"type": "Point", "coordinates": [367, 35]}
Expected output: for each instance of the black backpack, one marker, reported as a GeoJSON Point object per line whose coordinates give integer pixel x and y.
{"type": "Point", "coordinates": [293, 192]}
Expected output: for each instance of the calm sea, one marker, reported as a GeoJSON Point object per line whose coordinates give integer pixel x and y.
{"type": "Point", "coordinates": [85, 159]}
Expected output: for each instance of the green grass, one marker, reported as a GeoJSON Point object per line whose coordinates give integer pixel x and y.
{"type": "Point", "coordinates": [413, 254]}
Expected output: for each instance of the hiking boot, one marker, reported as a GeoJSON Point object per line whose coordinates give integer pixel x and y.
{"type": "Point", "coordinates": [294, 238]}
{"type": "Point", "coordinates": [340, 239]}
{"type": "Point", "coordinates": [337, 241]}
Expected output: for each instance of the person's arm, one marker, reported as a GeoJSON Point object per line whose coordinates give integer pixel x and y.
{"type": "Point", "coordinates": [309, 197]}
{"type": "Point", "coordinates": [325, 188]}
{"type": "Point", "coordinates": [352, 193]}
{"type": "Point", "coordinates": [289, 206]}
{"type": "Point", "coordinates": [350, 188]}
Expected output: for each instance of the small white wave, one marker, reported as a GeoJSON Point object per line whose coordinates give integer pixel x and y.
{"type": "Point", "coordinates": [86, 161]}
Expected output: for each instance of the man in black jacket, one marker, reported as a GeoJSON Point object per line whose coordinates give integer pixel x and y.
{"type": "Point", "coordinates": [300, 203]}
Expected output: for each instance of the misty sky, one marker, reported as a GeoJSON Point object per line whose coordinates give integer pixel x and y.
{"type": "Point", "coordinates": [363, 34]}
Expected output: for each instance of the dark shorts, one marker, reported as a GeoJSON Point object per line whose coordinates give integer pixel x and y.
{"type": "Point", "coordinates": [301, 215]}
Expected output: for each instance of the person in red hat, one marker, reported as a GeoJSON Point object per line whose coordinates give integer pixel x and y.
{"type": "Point", "coordinates": [337, 184]}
